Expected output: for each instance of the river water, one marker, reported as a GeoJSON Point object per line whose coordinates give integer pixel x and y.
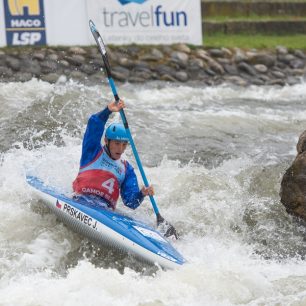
{"type": "Point", "coordinates": [215, 155]}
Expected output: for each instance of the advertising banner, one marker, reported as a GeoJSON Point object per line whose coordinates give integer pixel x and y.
{"type": "Point", "coordinates": [67, 22]}
{"type": "Point", "coordinates": [147, 21]}
{"type": "Point", "coordinates": [24, 22]}
{"type": "Point", "coordinates": [2, 26]}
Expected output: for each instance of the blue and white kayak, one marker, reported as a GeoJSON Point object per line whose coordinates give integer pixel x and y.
{"type": "Point", "coordinates": [108, 228]}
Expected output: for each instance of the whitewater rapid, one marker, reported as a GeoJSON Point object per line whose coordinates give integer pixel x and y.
{"type": "Point", "coordinates": [215, 155]}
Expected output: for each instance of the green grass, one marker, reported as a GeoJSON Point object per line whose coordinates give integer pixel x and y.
{"type": "Point", "coordinates": [248, 1]}
{"type": "Point", "coordinates": [254, 18]}
{"type": "Point", "coordinates": [255, 41]}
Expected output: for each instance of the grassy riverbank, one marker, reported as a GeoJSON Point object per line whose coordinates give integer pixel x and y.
{"type": "Point", "coordinates": [255, 41]}
{"type": "Point", "coordinates": [254, 17]}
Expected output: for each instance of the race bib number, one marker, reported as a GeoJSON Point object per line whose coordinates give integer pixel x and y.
{"type": "Point", "coordinates": [109, 185]}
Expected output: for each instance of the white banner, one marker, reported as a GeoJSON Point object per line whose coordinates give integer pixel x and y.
{"type": "Point", "coordinates": [67, 22]}
{"type": "Point", "coordinates": [2, 26]}
{"type": "Point", "coordinates": [147, 21]}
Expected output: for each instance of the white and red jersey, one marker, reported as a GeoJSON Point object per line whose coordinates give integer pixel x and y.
{"type": "Point", "coordinates": [99, 174]}
{"type": "Point", "coordinates": [102, 177]}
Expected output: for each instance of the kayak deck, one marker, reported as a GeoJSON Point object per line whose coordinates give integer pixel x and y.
{"type": "Point", "coordinates": [107, 227]}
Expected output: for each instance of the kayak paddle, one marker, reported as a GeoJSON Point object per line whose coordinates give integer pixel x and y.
{"type": "Point", "coordinates": [168, 229]}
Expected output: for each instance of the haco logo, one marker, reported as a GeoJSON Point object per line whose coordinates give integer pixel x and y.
{"type": "Point", "coordinates": [123, 2]}
{"type": "Point", "coordinates": [24, 22]}
{"type": "Point", "coordinates": [18, 7]}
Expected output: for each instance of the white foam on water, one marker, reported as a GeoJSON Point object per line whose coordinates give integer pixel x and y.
{"type": "Point", "coordinates": [206, 205]}
{"type": "Point", "coordinates": [15, 97]}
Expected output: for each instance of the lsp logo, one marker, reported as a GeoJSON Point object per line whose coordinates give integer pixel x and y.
{"type": "Point", "coordinates": [24, 7]}
{"type": "Point", "coordinates": [25, 22]}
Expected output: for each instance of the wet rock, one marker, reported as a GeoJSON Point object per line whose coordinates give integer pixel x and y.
{"type": "Point", "coordinates": [258, 81]}
{"type": "Point", "coordinates": [77, 50]}
{"type": "Point", "coordinates": [239, 56]}
{"type": "Point", "coordinates": [96, 77]}
{"type": "Point", "coordinates": [142, 74]}
{"type": "Point", "coordinates": [164, 69]}
{"type": "Point", "coordinates": [48, 66]}
{"type": "Point", "coordinates": [292, 80]}
{"type": "Point", "coordinates": [38, 56]}
{"type": "Point", "coordinates": [301, 145]}
{"type": "Point", "coordinates": [281, 50]}
{"type": "Point", "coordinates": [5, 72]}
{"type": "Point", "coordinates": [280, 65]}
{"type": "Point", "coordinates": [167, 50]}
{"type": "Point", "coordinates": [180, 57]}
{"type": "Point", "coordinates": [182, 76]}
{"type": "Point", "coordinates": [97, 64]}
{"type": "Point", "coordinates": [279, 82]}
{"type": "Point", "coordinates": [120, 73]}
{"type": "Point", "coordinates": [201, 75]}
{"type": "Point", "coordinates": [126, 62]}
{"type": "Point", "coordinates": [170, 63]}
{"type": "Point", "coordinates": [293, 184]}
{"type": "Point", "coordinates": [278, 74]}
{"type": "Point", "coordinates": [182, 48]}
{"type": "Point", "coordinates": [286, 58]}
{"type": "Point", "coordinates": [231, 69]}
{"type": "Point", "coordinates": [176, 65]}
{"type": "Point", "coordinates": [297, 72]}
{"type": "Point", "coordinates": [201, 53]}
{"type": "Point", "coordinates": [50, 77]}
{"type": "Point", "coordinates": [227, 53]}
{"type": "Point", "coordinates": [247, 68]}
{"type": "Point", "coordinates": [77, 75]}
{"type": "Point", "coordinates": [214, 65]}
{"type": "Point", "coordinates": [216, 53]}
{"type": "Point", "coordinates": [13, 63]}
{"type": "Point", "coordinates": [132, 50]}
{"type": "Point", "coordinates": [264, 78]}
{"type": "Point", "coordinates": [50, 51]}
{"type": "Point", "coordinates": [52, 57]}
{"type": "Point", "coordinates": [196, 64]}
{"type": "Point", "coordinates": [297, 64]}
{"type": "Point", "coordinates": [224, 61]}
{"type": "Point", "coordinates": [236, 80]}
{"type": "Point", "coordinates": [264, 59]}
{"type": "Point", "coordinates": [23, 76]}
{"type": "Point", "coordinates": [76, 60]}
{"type": "Point", "coordinates": [261, 68]}
{"type": "Point", "coordinates": [30, 66]}
{"type": "Point", "coordinates": [135, 79]}
{"type": "Point", "coordinates": [246, 76]}
{"type": "Point", "coordinates": [88, 69]}
{"type": "Point", "coordinates": [141, 65]}
{"type": "Point", "coordinates": [155, 55]}
{"type": "Point", "coordinates": [64, 63]}
{"type": "Point", "coordinates": [210, 72]}
{"type": "Point", "coordinates": [168, 78]}
{"type": "Point", "coordinates": [300, 54]}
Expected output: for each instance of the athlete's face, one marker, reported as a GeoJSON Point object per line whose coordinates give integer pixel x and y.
{"type": "Point", "coordinates": [116, 148]}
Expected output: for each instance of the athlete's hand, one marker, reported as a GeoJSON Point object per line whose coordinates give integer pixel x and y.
{"type": "Point", "coordinates": [147, 191]}
{"type": "Point", "coordinates": [116, 107]}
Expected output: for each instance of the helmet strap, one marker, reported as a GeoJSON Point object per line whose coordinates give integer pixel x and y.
{"type": "Point", "coordinates": [107, 147]}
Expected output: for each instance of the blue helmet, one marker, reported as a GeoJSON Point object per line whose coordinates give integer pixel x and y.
{"type": "Point", "coordinates": [116, 131]}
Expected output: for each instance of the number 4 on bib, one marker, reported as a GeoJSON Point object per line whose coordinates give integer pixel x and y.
{"type": "Point", "coordinates": [109, 185]}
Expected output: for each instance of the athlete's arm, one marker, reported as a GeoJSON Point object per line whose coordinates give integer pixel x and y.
{"type": "Point", "coordinates": [92, 137]}
{"type": "Point", "coordinates": [130, 193]}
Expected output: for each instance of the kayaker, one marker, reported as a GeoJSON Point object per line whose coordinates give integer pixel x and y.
{"type": "Point", "coordinates": [104, 173]}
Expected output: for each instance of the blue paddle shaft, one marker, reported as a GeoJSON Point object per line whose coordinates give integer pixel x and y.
{"type": "Point", "coordinates": [139, 164]}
